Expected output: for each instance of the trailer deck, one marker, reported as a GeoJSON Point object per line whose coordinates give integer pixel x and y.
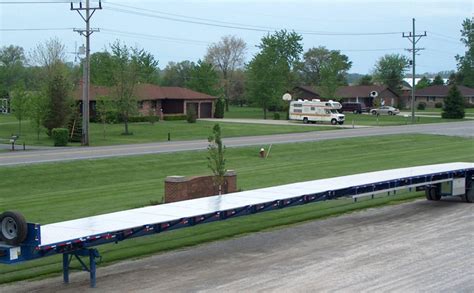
{"type": "Point", "coordinates": [75, 238]}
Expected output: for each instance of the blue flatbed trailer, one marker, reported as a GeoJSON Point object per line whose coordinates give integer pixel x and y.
{"type": "Point", "coordinates": [77, 239]}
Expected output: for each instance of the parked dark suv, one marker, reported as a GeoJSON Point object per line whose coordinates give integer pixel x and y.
{"type": "Point", "coordinates": [356, 108]}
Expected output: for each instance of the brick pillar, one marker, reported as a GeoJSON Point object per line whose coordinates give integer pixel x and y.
{"type": "Point", "coordinates": [230, 178]}
{"type": "Point", "coordinates": [175, 188]}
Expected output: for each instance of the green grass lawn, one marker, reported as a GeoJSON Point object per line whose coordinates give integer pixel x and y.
{"type": "Point", "coordinates": [52, 192]}
{"type": "Point", "coordinates": [146, 132]}
{"type": "Point", "coordinates": [386, 120]}
{"type": "Point", "coordinates": [469, 111]}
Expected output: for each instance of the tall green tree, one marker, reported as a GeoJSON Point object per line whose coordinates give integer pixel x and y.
{"type": "Point", "coordinates": [203, 78]}
{"type": "Point", "coordinates": [423, 83]}
{"type": "Point", "coordinates": [59, 102]}
{"type": "Point", "coordinates": [12, 62]}
{"type": "Point", "coordinates": [227, 55]}
{"type": "Point", "coordinates": [465, 74]}
{"type": "Point", "coordinates": [37, 110]}
{"type": "Point", "coordinates": [317, 60]}
{"type": "Point", "coordinates": [333, 73]}
{"type": "Point", "coordinates": [438, 80]}
{"type": "Point", "coordinates": [105, 108]}
{"type": "Point", "coordinates": [216, 161]}
{"type": "Point", "coordinates": [19, 104]}
{"type": "Point", "coordinates": [125, 78]}
{"type": "Point", "coordinates": [102, 66]}
{"type": "Point", "coordinates": [177, 74]}
{"type": "Point", "coordinates": [272, 71]}
{"type": "Point", "coordinates": [366, 80]}
{"type": "Point", "coordinates": [453, 104]}
{"type": "Point", "coordinates": [390, 70]}
{"type": "Point", "coordinates": [147, 66]}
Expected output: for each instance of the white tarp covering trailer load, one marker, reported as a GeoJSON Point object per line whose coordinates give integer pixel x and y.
{"type": "Point", "coordinates": [316, 111]}
{"type": "Point", "coordinates": [22, 241]}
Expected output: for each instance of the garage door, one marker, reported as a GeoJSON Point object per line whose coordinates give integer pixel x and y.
{"type": "Point", "coordinates": [205, 110]}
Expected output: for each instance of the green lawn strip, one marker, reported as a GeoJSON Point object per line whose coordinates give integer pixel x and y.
{"type": "Point", "coordinates": [387, 120]}
{"type": "Point", "coordinates": [146, 132]}
{"type": "Point", "coordinates": [55, 192]}
{"type": "Point", "coordinates": [439, 110]}
{"type": "Point", "coordinates": [187, 237]}
{"type": "Point", "coordinates": [76, 189]}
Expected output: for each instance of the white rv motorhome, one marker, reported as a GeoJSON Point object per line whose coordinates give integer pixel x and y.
{"type": "Point", "coordinates": [316, 111]}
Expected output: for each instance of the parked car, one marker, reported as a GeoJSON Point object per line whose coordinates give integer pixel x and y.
{"type": "Point", "coordinates": [385, 110]}
{"type": "Point", "coordinates": [354, 107]}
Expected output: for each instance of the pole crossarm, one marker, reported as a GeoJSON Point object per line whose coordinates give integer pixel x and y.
{"type": "Point", "coordinates": [81, 8]}
{"type": "Point", "coordinates": [85, 33]}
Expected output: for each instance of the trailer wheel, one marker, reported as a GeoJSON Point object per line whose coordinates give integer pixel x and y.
{"type": "Point", "coordinates": [305, 120]}
{"type": "Point", "coordinates": [432, 193]}
{"type": "Point", "coordinates": [333, 121]}
{"type": "Point", "coordinates": [13, 228]}
{"type": "Point", "coordinates": [469, 195]}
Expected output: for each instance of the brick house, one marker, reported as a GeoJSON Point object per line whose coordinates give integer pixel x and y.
{"type": "Point", "coordinates": [353, 93]}
{"type": "Point", "coordinates": [437, 93]}
{"type": "Point", "coordinates": [161, 101]}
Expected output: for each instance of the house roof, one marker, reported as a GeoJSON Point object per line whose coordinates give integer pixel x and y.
{"type": "Point", "coordinates": [147, 92]}
{"type": "Point", "coordinates": [351, 91]}
{"type": "Point", "coordinates": [442, 91]}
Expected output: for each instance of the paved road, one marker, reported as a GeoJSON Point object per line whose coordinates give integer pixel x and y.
{"type": "Point", "coordinates": [414, 247]}
{"type": "Point", "coordinates": [77, 153]}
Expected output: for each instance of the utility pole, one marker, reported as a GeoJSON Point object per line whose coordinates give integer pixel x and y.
{"type": "Point", "coordinates": [86, 62]}
{"type": "Point", "coordinates": [413, 38]}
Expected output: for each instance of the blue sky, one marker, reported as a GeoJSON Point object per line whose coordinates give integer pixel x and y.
{"type": "Point", "coordinates": [153, 25]}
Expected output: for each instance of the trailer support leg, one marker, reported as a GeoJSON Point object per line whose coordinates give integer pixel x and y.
{"type": "Point", "coordinates": [92, 254]}
{"type": "Point", "coordinates": [66, 261]}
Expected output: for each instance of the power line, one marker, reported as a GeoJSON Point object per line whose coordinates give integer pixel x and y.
{"type": "Point", "coordinates": [35, 2]}
{"type": "Point", "coordinates": [36, 29]}
{"type": "Point", "coordinates": [216, 23]}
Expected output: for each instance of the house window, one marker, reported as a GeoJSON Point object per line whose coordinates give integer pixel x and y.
{"type": "Point", "coordinates": [140, 105]}
{"type": "Point", "coordinates": [431, 99]}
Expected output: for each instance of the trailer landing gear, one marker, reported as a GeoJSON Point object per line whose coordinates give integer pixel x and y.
{"type": "Point", "coordinates": [92, 253]}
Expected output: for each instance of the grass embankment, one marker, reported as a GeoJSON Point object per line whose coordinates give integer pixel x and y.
{"type": "Point", "coordinates": [146, 132]}
{"type": "Point", "coordinates": [48, 193]}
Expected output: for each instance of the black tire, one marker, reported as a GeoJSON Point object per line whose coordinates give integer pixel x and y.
{"type": "Point", "coordinates": [373, 112]}
{"type": "Point", "coordinates": [433, 193]}
{"type": "Point", "coordinates": [469, 195]}
{"type": "Point", "coordinates": [305, 120]}
{"type": "Point", "coordinates": [13, 228]}
{"type": "Point", "coordinates": [428, 193]}
{"type": "Point", "coordinates": [390, 113]}
{"type": "Point", "coordinates": [333, 121]}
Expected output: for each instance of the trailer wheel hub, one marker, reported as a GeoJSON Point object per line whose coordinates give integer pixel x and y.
{"type": "Point", "coordinates": [9, 228]}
